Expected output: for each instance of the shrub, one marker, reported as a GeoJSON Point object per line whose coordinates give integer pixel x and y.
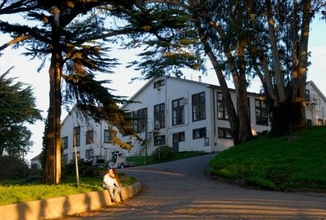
{"type": "Point", "coordinates": [13, 168]}
{"type": "Point", "coordinates": [85, 169]}
{"type": "Point", "coordinates": [162, 153]}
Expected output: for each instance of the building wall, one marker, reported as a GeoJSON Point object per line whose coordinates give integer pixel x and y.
{"type": "Point", "coordinates": [171, 89]}
{"type": "Point", "coordinates": [316, 105]}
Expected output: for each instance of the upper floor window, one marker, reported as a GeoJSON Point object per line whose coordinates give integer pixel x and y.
{"type": "Point", "coordinates": [139, 119]}
{"type": "Point", "coordinates": [158, 84]}
{"type": "Point", "coordinates": [159, 116]}
{"type": "Point", "coordinates": [89, 137]}
{"type": "Point", "coordinates": [221, 110]}
{"type": "Point", "coordinates": [64, 142]}
{"type": "Point", "coordinates": [178, 112]}
{"type": "Point", "coordinates": [107, 136]}
{"type": "Point", "coordinates": [261, 112]}
{"type": "Point", "coordinates": [198, 106]}
{"type": "Point", "coordinates": [199, 133]}
{"type": "Point", "coordinates": [77, 136]}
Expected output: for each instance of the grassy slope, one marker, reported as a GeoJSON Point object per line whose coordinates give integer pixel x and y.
{"type": "Point", "coordinates": [285, 163]}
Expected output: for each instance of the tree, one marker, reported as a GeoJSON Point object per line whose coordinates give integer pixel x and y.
{"type": "Point", "coordinates": [70, 33]}
{"type": "Point", "coordinates": [281, 58]}
{"type": "Point", "coordinates": [243, 39]}
{"type": "Point", "coordinates": [17, 107]}
{"type": "Point", "coordinates": [180, 33]}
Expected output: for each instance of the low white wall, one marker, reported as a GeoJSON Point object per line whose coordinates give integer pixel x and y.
{"type": "Point", "coordinates": [63, 206]}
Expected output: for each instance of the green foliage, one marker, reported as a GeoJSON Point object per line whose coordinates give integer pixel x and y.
{"type": "Point", "coordinates": [283, 163]}
{"type": "Point", "coordinates": [85, 169]}
{"type": "Point", "coordinates": [162, 153]}
{"type": "Point", "coordinates": [13, 168]}
{"type": "Point", "coordinates": [17, 106]}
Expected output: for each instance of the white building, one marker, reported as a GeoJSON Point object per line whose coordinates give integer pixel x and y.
{"type": "Point", "coordinates": [184, 114]}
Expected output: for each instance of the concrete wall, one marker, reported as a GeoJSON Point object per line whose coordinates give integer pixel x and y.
{"type": "Point", "coordinates": [63, 206]}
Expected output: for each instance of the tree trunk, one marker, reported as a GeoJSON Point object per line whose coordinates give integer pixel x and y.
{"type": "Point", "coordinates": [299, 101]}
{"type": "Point", "coordinates": [240, 82]}
{"type": "Point", "coordinates": [52, 167]}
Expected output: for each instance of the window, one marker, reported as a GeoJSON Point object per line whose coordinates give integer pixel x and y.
{"type": "Point", "coordinates": [78, 155]}
{"type": "Point", "coordinates": [224, 133]}
{"type": "Point", "coordinates": [158, 84]}
{"type": "Point", "coordinates": [159, 140]}
{"type": "Point", "coordinates": [309, 122]}
{"type": "Point", "coordinates": [221, 110]}
{"type": "Point", "coordinates": [199, 133]}
{"type": "Point", "coordinates": [64, 143]}
{"type": "Point", "coordinates": [198, 107]}
{"type": "Point", "coordinates": [89, 137]}
{"type": "Point", "coordinates": [64, 158]}
{"type": "Point", "coordinates": [77, 136]}
{"type": "Point", "coordinates": [107, 136]}
{"type": "Point", "coordinates": [179, 137]}
{"type": "Point", "coordinates": [139, 119]}
{"type": "Point", "coordinates": [178, 115]}
{"type": "Point", "coordinates": [159, 116]}
{"type": "Point", "coordinates": [261, 112]}
{"type": "Point", "coordinates": [89, 154]}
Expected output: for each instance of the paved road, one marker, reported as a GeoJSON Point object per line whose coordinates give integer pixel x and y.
{"type": "Point", "coordinates": [182, 190]}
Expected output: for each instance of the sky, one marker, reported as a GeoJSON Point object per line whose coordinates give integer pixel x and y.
{"type": "Point", "coordinates": [25, 70]}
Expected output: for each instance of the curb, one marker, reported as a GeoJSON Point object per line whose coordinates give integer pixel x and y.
{"type": "Point", "coordinates": [65, 205]}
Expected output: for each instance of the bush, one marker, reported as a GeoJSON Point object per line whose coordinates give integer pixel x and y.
{"type": "Point", "coordinates": [162, 153]}
{"type": "Point", "coordinates": [13, 168]}
{"type": "Point", "coordinates": [85, 169]}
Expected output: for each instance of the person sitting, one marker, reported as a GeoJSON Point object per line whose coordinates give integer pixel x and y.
{"type": "Point", "coordinates": [112, 183]}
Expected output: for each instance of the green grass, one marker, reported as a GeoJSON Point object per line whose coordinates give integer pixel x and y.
{"type": "Point", "coordinates": [293, 162]}
{"type": "Point", "coordinates": [140, 160]}
{"type": "Point", "coordinates": [29, 190]}
{"type": "Point", "coordinates": [18, 191]}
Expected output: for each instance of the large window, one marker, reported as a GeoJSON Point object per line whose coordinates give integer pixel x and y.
{"type": "Point", "coordinates": [198, 107]}
{"type": "Point", "coordinates": [64, 143]}
{"type": "Point", "coordinates": [159, 140]}
{"type": "Point", "coordinates": [261, 112]}
{"type": "Point", "coordinates": [107, 136]}
{"type": "Point", "coordinates": [224, 133]}
{"type": "Point", "coordinates": [139, 119]}
{"type": "Point", "coordinates": [77, 136]}
{"type": "Point", "coordinates": [89, 137]}
{"type": "Point", "coordinates": [178, 112]}
{"type": "Point", "coordinates": [199, 133]}
{"type": "Point", "coordinates": [221, 110]}
{"type": "Point", "coordinates": [159, 116]}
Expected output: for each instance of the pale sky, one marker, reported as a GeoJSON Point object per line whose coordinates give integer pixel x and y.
{"type": "Point", "coordinates": [26, 71]}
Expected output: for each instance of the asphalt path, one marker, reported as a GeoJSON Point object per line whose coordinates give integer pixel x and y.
{"type": "Point", "coordinates": [183, 190]}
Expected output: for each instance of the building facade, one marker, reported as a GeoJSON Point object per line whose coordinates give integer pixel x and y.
{"type": "Point", "coordinates": [184, 114]}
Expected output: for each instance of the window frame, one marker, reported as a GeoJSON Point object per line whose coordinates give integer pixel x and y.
{"type": "Point", "coordinates": [198, 101]}
{"type": "Point", "coordinates": [199, 133]}
{"type": "Point", "coordinates": [178, 112]}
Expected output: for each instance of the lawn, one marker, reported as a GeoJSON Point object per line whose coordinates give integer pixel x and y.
{"type": "Point", "coordinates": [295, 162]}
{"type": "Point", "coordinates": [29, 190]}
